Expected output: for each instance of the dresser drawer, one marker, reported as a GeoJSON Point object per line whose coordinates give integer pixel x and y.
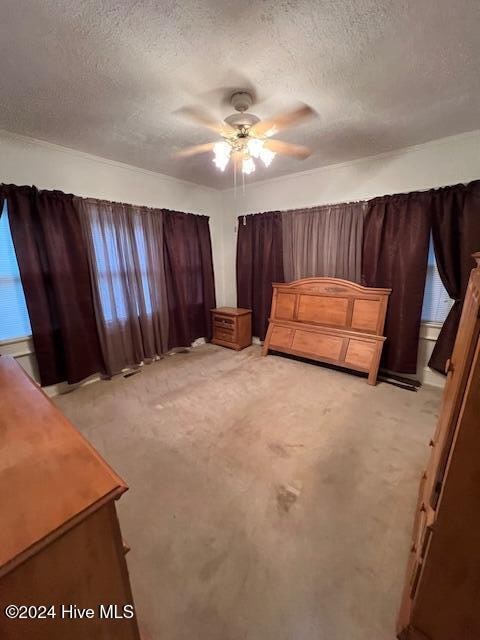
{"type": "Point", "coordinates": [222, 334]}
{"type": "Point", "coordinates": [225, 331]}
{"type": "Point", "coordinates": [223, 322]}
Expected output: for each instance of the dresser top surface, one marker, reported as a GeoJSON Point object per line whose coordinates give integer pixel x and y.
{"type": "Point", "coordinates": [49, 473]}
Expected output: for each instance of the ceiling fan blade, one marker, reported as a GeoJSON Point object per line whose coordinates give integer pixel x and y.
{"type": "Point", "coordinates": [296, 150]}
{"type": "Point", "coordinates": [282, 121]}
{"type": "Point", "coordinates": [199, 116]}
{"type": "Point", "coordinates": [194, 150]}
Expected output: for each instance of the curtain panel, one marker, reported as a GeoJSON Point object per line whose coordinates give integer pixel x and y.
{"type": "Point", "coordinates": [323, 241]}
{"type": "Point", "coordinates": [53, 267]}
{"type": "Point", "coordinates": [395, 251]}
{"type": "Point", "coordinates": [125, 247]}
{"type": "Point", "coordinates": [456, 235]}
{"type": "Point", "coordinates": [189, 277]}
{"type": "Point", "coordinates": [259, 264]}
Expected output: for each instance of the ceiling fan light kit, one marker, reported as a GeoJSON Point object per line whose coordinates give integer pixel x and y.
{"type": "Point", "coordinates": [248, 149]}
{"type": "Point", "coordinates": [246, 138]}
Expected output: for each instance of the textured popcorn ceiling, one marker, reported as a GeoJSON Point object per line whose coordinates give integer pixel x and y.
{"type": "Point", "coordinates": [107, 76]}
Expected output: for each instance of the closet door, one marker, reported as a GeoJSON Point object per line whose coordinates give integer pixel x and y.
{"type": "Point", "coordinates": [458, 369]}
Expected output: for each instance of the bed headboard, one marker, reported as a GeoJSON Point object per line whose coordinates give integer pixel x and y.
{"type": "Point", "coordinates": [329, 319]}
{"type": "Point", "coordinates": [332, 302]}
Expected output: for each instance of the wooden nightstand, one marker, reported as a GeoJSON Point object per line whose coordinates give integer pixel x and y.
{"type": "Point", "coordinates": [232, 327]}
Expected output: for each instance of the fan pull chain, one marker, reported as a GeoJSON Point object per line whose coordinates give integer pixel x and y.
{"type": "Point", "coordinates": [234, 180]}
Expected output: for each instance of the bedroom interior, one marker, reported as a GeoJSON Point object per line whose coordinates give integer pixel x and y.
{"type": "Point", "coordinates": [239, 320]}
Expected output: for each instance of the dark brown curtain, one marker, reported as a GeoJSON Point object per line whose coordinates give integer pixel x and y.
{"type": "Point", "coordinates": [259, 264]}
{"type": "Point", "coordinates": [456, 235]}
{"type": "Point", "coordinates": [189, 276]}
{"type": "Point", "coordinates": [53, 266]}
{"type": "Point", "coordinates": [395, 251]}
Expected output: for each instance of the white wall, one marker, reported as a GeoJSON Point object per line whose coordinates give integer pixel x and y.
{"type": "Point", "coordinates": [28, 161]}
{"type": "Point", "coordinates": [434, 164]}
{"type": "Point", "coordinates": [438, 163]}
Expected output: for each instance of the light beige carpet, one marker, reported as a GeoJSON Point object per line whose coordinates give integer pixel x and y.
{"type": "Point", "coordinates": [269, 499]}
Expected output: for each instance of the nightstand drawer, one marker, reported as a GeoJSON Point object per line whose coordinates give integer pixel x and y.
{"type": "Point", "coordinates": [221, 334]}
{"type": "Point", "coordinates": [223, 322]}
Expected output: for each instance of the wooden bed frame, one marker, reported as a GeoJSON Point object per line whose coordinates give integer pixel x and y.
{"type": "Point", "coordinates": [330, 320]}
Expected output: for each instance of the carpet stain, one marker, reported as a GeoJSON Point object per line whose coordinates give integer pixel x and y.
{"type": "Point", "coordinates": [278, 449]}
{"type": "Point", "coordinates": [286, 497]}
{"type": "Point", "coordinates": [211, 567]}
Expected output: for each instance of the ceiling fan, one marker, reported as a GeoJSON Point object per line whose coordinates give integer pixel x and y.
{"type": "Point", "coordinates": [244, 137]}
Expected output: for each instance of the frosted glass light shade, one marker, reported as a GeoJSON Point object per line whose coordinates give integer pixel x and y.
{"type": "Point", "coordinates": [255, 147]}
{"type": "Point", "coordinates": [222, 152]}
{"type": "Point", "coordinates": [267, 156]}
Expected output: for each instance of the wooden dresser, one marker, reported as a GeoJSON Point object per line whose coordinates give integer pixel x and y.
{"type": "Point", "coordinates": [441, 598]}
{"type": "Point", "coordinates": [232, 327]}
{"type": "Point", "coordinates": [330, 320]}
{"type": "Point", "coordinates": [60, 541]}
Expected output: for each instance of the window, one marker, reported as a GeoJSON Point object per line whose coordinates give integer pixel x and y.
{"type": "Point", "coordinates": [114, 251]}
{"type": "Point", "coordinates": [436, 301]}
{"type": "Point", "coordinates": [109, 273]}
{"type": "Point", "coordinates": [14, 321]}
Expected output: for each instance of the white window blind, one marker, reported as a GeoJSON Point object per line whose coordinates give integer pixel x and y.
{"type": "Point", "coordinates": [436, 301]}
{"type": "Point", "coordinates": [14, 321]}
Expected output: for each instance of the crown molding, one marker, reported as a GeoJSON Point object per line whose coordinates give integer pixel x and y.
{"type": "Point", "coordinates": [17, 137]}
{"type": "Point", "coordinates": [395, 153]}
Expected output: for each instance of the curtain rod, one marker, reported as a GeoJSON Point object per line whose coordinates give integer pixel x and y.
{"type": "Point", "coordinates": [364, 202]}
{"type": "Point", "coordinates": [305, 209]}
{"type": "Point", "coordinates": [102, 201]}
{"type": "Point", "coordinates": [139, 206]}
{"type": "Point", "coordinates": [117, 202]}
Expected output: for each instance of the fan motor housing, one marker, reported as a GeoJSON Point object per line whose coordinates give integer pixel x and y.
{"type": "Point", "coordinates": [241, 101]}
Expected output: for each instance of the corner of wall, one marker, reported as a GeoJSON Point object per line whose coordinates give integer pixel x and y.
{"type": "Point", "coordinates": [229, 248]}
